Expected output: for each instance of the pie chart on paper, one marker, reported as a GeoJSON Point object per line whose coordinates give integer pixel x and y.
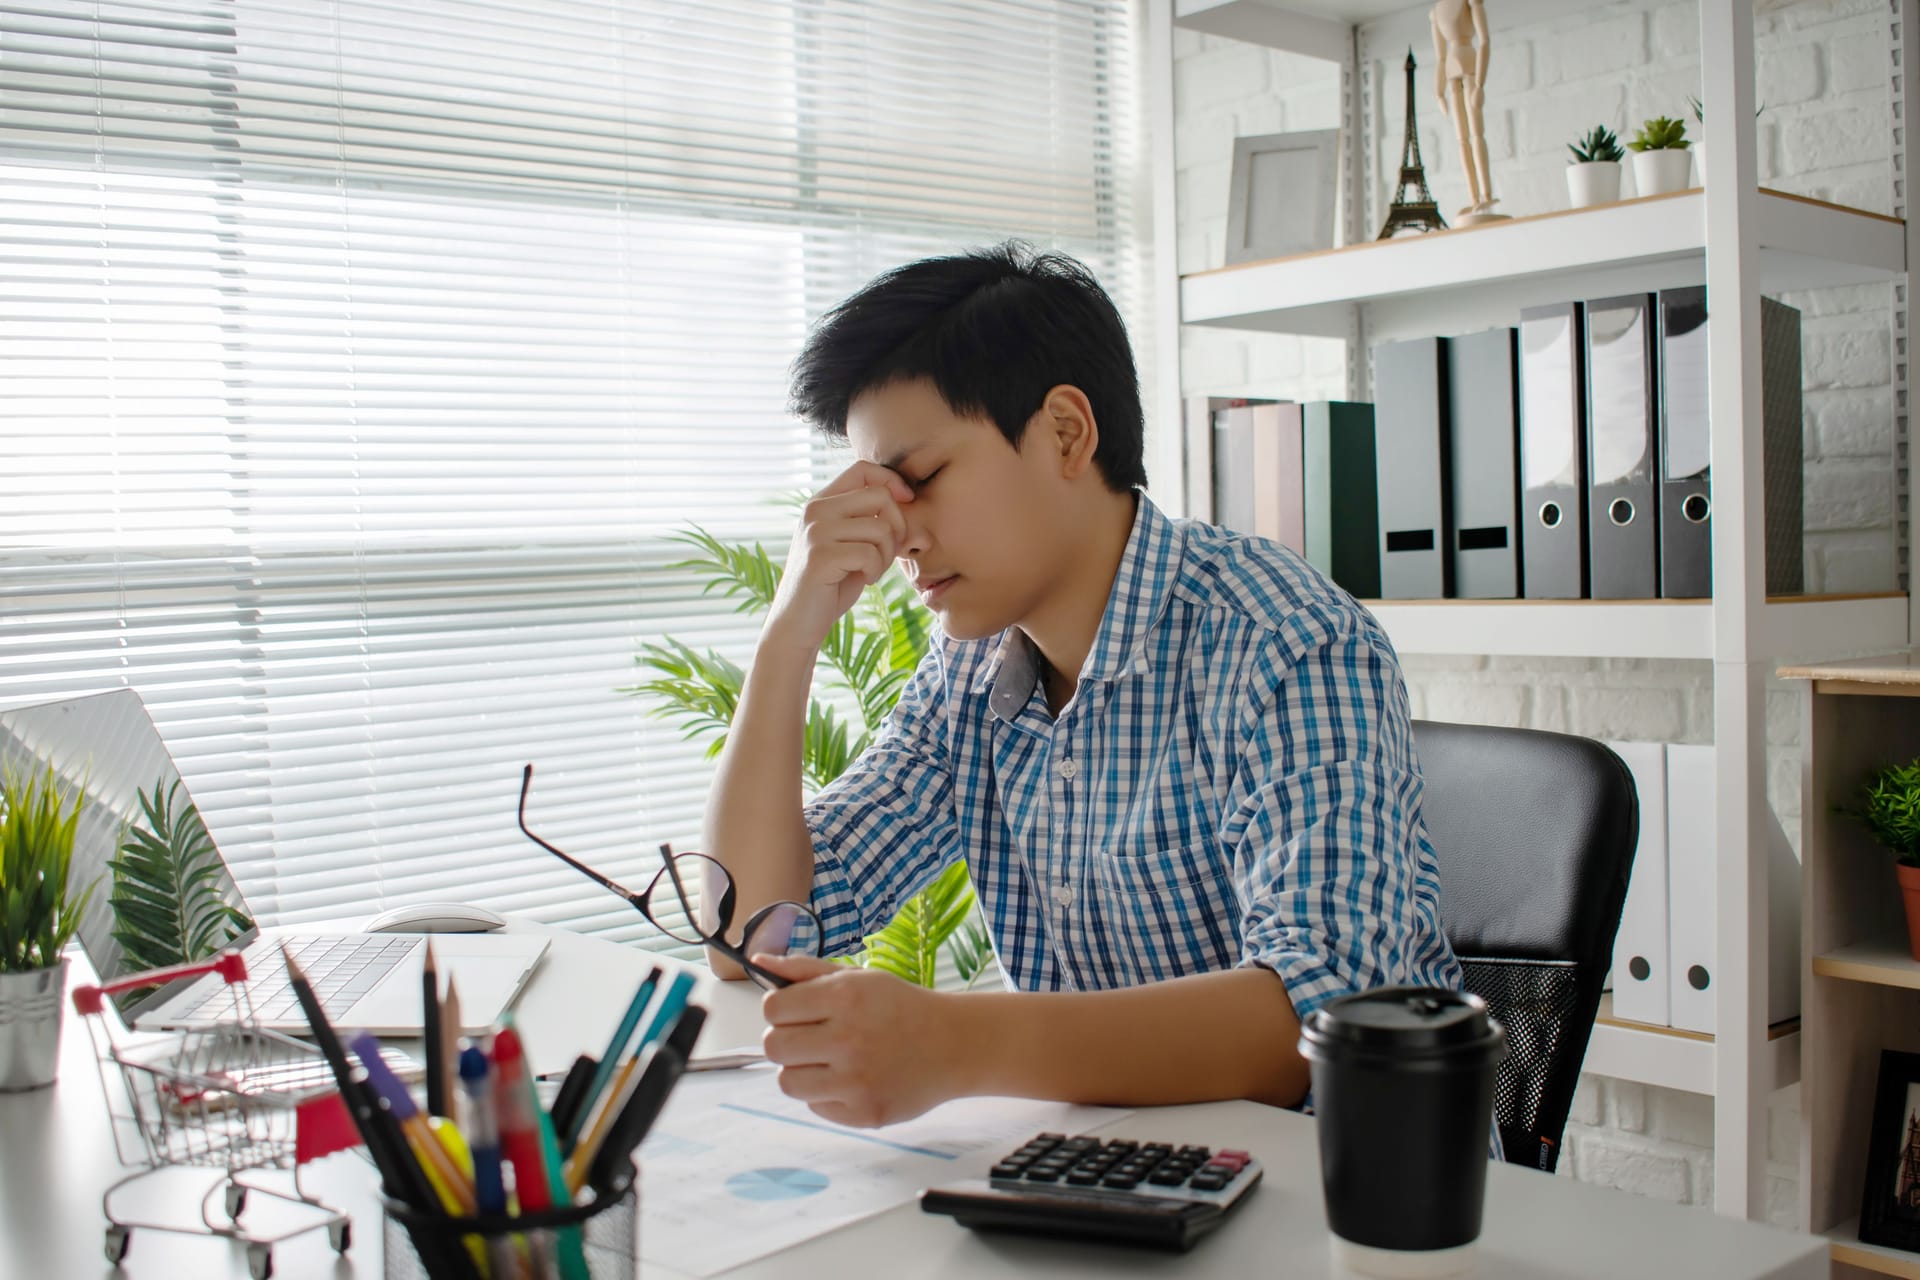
{"type": "Point", "coordinates": [777, 1184]}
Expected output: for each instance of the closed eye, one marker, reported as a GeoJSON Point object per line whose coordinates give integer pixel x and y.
{"type": "Point", "coordinates": [926, 480]}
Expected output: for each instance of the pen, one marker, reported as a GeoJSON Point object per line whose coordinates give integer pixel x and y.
{"type": "Point", "coordinates": [454, 1188]}
{"type": "Point", "coordinates": [527, 1142]}
{"type": "Point", "coordinates": [649, 1097]}
{"type": "Point", "coordinates": [483, 1130]}
{"type": "Point", "coordinates": [437, 1100]}
{"type": "Point", "coordinates": [670, 1006]}
{"type": "Point", "coordinates": [573, 1090]}
{"type": "Point", "coordinates": [610, 1060]}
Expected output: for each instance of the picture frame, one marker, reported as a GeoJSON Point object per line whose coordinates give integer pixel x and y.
{"type": "Point", "coordinates": [1890, 1201]}
{"type": "Point", "coordinates": [1282, 194]}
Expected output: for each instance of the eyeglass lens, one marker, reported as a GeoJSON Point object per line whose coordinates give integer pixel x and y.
{"type": "Point", "coordinates": [782, 929]}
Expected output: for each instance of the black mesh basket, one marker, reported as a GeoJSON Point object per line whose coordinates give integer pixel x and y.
{"type": "Point", "coordinates": [441, 1248]}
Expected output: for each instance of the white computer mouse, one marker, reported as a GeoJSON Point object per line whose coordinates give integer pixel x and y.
{"type": "Point", "coordinates": [435, 917]}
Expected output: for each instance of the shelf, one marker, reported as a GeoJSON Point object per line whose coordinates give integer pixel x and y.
{"type": "Point", "coordinates": [1323, 28]}
{"type": "Point", "coordinates": [1647, 1054]}
{"type": "Point", "coordinates": [1452, 280]}
{"type": "Point", "coordinates": [1634, 628]}
{"type": "Point", "coordinates": [1675, 1059]}
{"type": "Point", "coordinates": [1887, 964]}
{"type": "Point", "coordinates": [1844, 1240]}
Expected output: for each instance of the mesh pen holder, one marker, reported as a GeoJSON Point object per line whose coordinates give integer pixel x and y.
{"type": "Point", "coordinates": [606, 1225]}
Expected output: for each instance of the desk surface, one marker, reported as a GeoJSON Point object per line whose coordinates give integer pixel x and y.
{"type": "Point", "coordinates": [56, 1157]}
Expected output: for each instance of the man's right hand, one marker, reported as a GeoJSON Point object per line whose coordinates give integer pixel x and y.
{"type": "Point", "coordinates": [849, 533]}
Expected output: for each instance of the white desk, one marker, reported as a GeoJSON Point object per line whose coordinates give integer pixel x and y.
{"type": "Point", "coordinates": [56, 1156]}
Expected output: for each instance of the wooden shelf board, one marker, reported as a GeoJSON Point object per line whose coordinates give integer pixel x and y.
{"type": "Point", "coordinates": [1889, 964]}
{"type": "Point", "coordinates": [1445, 276]}
{"type": "Point", "coordinates": [1844, 1242]}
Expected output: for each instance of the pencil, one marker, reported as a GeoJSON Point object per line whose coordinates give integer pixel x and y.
{"type": "Point", "coordinates": [437, 1102]}
{"type": "Point", "coordinates": [450, 1045]}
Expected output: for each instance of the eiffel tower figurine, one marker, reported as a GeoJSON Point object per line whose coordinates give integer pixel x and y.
{"type": "Point", "coordinates": [1413, 207]}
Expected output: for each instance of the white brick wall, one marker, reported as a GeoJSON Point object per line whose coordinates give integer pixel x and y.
{"type": "Point", "coordinates": [1823, 75]}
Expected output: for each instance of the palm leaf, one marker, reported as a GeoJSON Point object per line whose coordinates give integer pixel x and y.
{"type": "Point", "coordinates": [700, 690]}
{"type": "Point", "coordinates": [972, 951]}
{"type": "Point", "coordinates": [168, 899]}
{"type": "Point", "coordinates": [909, 945]}
{"type": "Point", "coordinates": [745, 574]}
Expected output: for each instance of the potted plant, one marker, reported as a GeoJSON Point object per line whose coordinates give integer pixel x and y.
{"type": "Point", "coordinates": [1594, 176]}
{"type": "Point", "coordinates": [1660, 159]}
{"type": "Point", "coordinates": [38, 917]}
{"type": "Point", "coordinates": [1888, 806]}
{"type": "Point", "coordinates": [870, 653]}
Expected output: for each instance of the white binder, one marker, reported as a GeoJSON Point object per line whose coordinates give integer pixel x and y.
{"type": "Point", "coordinates": [1691, 902]}
{"type": "Point", "coordinates": [1640, 976]}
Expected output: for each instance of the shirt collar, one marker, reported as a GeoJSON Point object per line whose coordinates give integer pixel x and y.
{"type": "Point", "coordinates": [1142, 586]}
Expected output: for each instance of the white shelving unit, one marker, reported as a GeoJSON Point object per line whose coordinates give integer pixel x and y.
{"type": "Point", "coordinates": [1740, 241]}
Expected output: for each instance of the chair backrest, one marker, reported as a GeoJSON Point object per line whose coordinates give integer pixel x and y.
{"type": "Point", "coordinates": [1534, 833]}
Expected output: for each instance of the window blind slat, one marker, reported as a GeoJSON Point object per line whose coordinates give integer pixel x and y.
{"type": "Point", "coordinates": [362, 360]}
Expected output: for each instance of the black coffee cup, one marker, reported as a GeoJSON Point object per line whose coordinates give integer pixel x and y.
{"type": "Point", "coordinates": [1403, 1088]}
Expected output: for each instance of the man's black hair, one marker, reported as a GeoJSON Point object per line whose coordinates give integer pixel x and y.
{"type": "Point", "coordinates": [994, 330]}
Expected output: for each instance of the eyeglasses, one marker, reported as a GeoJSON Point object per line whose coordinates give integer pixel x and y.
{"type": "Point", "coordinates": [780, 928]}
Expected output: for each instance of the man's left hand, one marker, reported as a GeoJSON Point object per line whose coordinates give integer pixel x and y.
{"type": "Point", "coordinates": [860, 1046]}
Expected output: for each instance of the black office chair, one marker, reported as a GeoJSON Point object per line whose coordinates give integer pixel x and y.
{"type": "Point", "coordinates": [1535, 835]}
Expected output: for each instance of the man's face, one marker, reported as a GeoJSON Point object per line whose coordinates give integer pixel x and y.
{"type": "Point", "coordinates": [982, 545]}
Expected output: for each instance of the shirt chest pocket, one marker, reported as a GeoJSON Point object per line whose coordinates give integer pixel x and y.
{"type": "Point", "coordinates": [1171, 911]}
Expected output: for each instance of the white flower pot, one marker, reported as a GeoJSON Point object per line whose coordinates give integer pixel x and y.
{"type": "Point", "coordinates": [30, 1026]}
{"type": "Point", "coordinates": [1655, 173]}
{"type": "Point", "coordinates": [1699, 150]}
{"type": "Point", "coordinates": [1591, 183]}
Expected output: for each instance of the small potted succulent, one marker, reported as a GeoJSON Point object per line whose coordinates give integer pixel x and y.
{"type": "Point", "coordinates": [1594, 175]}
{"type": "Point", "coordinates": [1888, 806]}
{"type": "Point", "coordinates": [38, 917]}
{"type": "Point", "coordinates": [1660, 159]}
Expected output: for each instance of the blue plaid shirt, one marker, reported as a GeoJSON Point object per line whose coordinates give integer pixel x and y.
{"type": "Point", "coordinates": [1233, 783]}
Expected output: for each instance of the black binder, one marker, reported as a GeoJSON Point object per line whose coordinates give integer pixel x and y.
{"type": "Point", "coordinates": [1622, 543]}
{"type": "Point", "coordinates": [1483, 470]}
{"type": "Point", "coordinates": [1553, 471]}
{"type": "Point", "coordinates": [1341, 497]}
{"type": "Point", "coordinates": [1686, 452]}
{"type": "Point", "coordinates": [1410, 452]}
{"type": "Point", "coordinates": [1686, 478]}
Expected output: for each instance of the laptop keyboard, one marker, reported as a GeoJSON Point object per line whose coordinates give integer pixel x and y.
{"type": "Point", "coordinates": [339, 969]}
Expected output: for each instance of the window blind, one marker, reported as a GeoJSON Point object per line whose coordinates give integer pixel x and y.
{"type": "Point", "coordinates": [360, 359]}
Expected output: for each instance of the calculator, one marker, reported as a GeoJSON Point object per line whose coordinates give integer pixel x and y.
{"type": "Point", "coordinates": [1150, 1194]}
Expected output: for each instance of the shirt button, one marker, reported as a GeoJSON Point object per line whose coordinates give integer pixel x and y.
{"type": "Point", "coordinates": [1067, 768]}
{"type": "Point", "coordinates": [1062, 895]}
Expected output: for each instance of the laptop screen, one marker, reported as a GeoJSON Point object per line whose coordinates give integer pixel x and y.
{"type": "Point", "coordinates": [162, 893]}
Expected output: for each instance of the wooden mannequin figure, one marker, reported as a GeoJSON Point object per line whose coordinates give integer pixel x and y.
{"type": "Point", "coordinates": [1460, 49]}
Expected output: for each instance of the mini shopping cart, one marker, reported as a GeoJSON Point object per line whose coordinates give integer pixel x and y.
{"type": "Point", "coordinates": [231, 1096]}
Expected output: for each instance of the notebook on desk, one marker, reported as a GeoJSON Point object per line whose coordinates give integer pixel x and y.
{"type": "Point", "coordinates": [172, 893]}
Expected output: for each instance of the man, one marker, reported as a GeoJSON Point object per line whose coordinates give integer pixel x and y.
{"type": "Point", "coordinates": [1177, 762]}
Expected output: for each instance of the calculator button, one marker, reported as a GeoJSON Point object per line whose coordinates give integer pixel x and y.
{"type": "Point", "coordinates": [1156, 1149]}
{"type": "Point", "coordinates": [1084, 1178]}
{"type": "Point", "coordinates": [1239, 1157]}
{"type": "Point", "coordinates": [1122, 1145]}
{"type": "Point", "coordinates": [1005, 1170]}
{"type": "Point", "coordinates": [1165, 1177]}
{"type": "Point", "coordinates": [1080, 1144]}
{"type": "Point", "coordinates": [1207, 1181]}
{"type": "Point", "coordinates": [1037, 1174]}
{"type": "Point", "coordinates": [1198, 1153]}
{"type": "Point", "coordinates": [1120, 1181]}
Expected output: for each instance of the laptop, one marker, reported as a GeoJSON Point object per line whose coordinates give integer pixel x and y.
{"type": "Point", "coordinates": [105, 747]}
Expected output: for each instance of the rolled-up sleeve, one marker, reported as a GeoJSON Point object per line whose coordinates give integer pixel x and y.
{"type": "Point", "coordinates": [886, 827]}
{"type": "Point", "coordinates": [1337, 879]}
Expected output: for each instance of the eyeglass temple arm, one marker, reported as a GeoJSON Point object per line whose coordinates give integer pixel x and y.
{"type": "Point", "coordinates": [612, 886]}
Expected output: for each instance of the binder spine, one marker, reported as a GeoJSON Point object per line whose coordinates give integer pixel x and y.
{"type": "Point", "coordinates": [1622, 507]}
{"type": "Point", "coordinates": [1553, 523]}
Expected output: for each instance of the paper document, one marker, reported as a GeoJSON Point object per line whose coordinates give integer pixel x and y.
{"type": "Point", "coordinates": [735, 1169]}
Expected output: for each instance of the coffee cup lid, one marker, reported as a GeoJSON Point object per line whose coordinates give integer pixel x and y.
{"type": "Point", "coordinates": [1403, 1022]}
